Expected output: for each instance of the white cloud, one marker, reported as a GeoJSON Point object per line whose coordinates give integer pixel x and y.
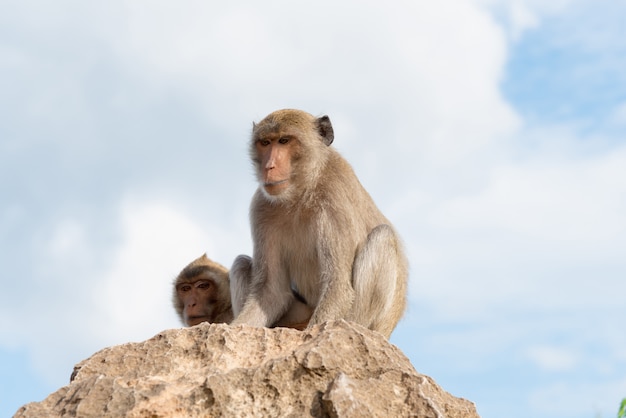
{"type": "Point", "coordinates": [551, 358]}
{"type": "Point", "coordinates": [133, 295]}
{"type": "Point", "coordinates": [96, 299]}
{"type": "Point", "coordinates": [399, 66]}
{"type": "Point", "coordinates": [541, 229]}
{"type": "Point", "coordinates": [567, 398]}
{"type": "Point", "coordinates": [555, 203]}
{"type": "Point", "coordinates": [68, 241]}
{"type": "Point", "coordinates": [618, 116]}
{"type": "Point", "coordinates": [522, 15]}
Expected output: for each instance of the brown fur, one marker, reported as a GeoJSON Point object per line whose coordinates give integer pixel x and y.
{"type": "Point", "coordinates": [315, 228]}
{"type": "Point", "coordinates": [217, 307]}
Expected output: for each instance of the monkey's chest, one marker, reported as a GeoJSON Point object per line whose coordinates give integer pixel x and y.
{"type": "Point", "coordinates": [300, 259]}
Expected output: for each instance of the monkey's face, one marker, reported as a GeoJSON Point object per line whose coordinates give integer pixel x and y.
{"type": "Point", "coordinates": [287, 149]}
{"type": "Point", "coordinates": [274, 155]}
{"type": "Point", "coordinates": [197, 299]}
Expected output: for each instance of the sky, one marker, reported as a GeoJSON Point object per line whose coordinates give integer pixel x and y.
{"type": "Point", "coordinates": [492, 133]}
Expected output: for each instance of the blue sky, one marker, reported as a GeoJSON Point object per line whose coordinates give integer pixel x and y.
{"type": "Point", "coordinates": [492, 133]}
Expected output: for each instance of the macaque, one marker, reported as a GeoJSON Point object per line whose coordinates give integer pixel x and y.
{"type": "Point", "coordinates": [317, 231]}
{"type": "Point", "coordinates": [202, 294]}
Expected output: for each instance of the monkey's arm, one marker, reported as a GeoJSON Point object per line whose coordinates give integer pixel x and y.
{"type": "Point", "coordinates": [335, 262]}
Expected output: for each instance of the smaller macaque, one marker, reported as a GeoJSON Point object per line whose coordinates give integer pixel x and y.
{"type": "Point", "coordinates": [202, 294]}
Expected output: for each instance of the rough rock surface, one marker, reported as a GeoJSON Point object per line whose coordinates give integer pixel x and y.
{"type": "Point", "coordinates": [338, 369]}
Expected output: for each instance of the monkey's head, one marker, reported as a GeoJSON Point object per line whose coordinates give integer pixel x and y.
{"type": "Point", "coordinates": [201, 293]}
{"type": "Point", "coordinates": [289, 148]}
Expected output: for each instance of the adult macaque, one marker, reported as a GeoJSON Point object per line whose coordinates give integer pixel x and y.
{"type": "Point", "coordinates": [315, 229]}
{"type": "Point", "coordinates": [202, 293]}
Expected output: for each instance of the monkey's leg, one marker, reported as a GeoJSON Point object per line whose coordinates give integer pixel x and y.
{"type": "Point", "coordinates": [379, 281]}
{"type": "Point", "coordinates": [255, 304]}
{"type": "Point", "coordinates": [297, 316]}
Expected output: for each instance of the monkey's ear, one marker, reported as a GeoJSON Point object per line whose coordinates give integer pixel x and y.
{"type": "Point", "coordinates": [325, 129]}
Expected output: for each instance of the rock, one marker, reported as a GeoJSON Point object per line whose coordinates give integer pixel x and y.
{"type": "Point", "coordinates": [338, 369]}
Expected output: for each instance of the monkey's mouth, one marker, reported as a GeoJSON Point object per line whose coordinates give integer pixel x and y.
{"type": "Point", "coordinates": [274, 183]}
{"type": "Point", "coordinates": [195, 320]}
{"type": "Point", "coordinates": [275, 188]}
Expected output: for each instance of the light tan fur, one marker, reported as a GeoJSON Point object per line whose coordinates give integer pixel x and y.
{"type": "Point", "coordinates": [316, 229]}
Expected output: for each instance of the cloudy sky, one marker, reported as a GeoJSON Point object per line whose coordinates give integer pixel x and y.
{"type": "Point", "coordinates": [491, 132]}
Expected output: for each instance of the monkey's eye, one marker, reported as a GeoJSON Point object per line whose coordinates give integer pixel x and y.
{"type": "Point", "coordinates": [203, 285]}
{"type": "Point", "coordinates": [283, 140]}
{"type": "Point", "coordinates": [263, 142]}
{"type": "Point", "coordinates": [184, 288]}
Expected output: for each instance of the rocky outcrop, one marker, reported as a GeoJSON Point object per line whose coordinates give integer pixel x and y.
{"type": "Point", "coordinates": [338, 369]}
